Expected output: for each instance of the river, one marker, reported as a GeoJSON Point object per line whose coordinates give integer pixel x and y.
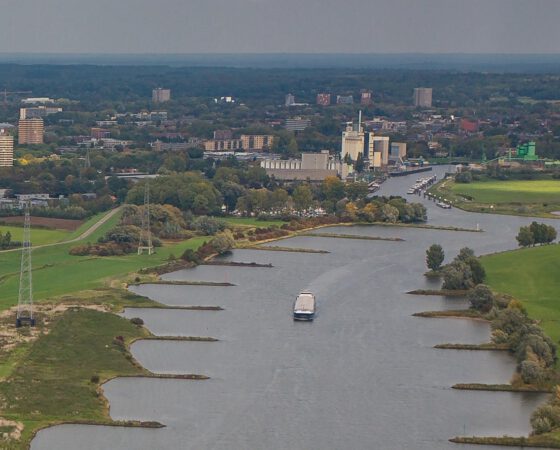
{"type": "Point", "coordinates": [363, 375]}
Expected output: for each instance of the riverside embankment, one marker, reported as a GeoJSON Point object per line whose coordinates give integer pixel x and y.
{"type": "Point", "coordinates": [351, 379]}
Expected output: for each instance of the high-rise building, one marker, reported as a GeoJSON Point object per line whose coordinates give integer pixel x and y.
{"type": "Point", "coordinates": [6, 149]}
{"type": "Point", "coordinates": [160, 95]}
{"type": "Point", "coordinates": [290, 100]}
{"type": "Point", "coordinates": [324, 99]}
{"type": "Point", "coordinates": [423, 97]}
{"type": "Point", "coordinates": [365, 98]}
{"type": "Point", "coordinates": [31, 131]}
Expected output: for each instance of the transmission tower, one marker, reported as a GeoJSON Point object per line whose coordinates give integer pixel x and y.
{"type": "Point", "coordinates": [145, 242]}
{"type": "Point", "coordinates": [87, 161]}
{"type": "Point", "coordinates": [25, 297]}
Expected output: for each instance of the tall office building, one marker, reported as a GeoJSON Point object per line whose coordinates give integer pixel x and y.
{"type": "Point", "coordinates": [324, 99]}
{"type": "Point", "coordinates": [6, 149]}
{"type": "Point", "coordinates": [290, 100]}
{"type": "Point", "coordinates": [365, 98]}
{"type": "Point", "coordinates": [160, 95]}
{"type": "Point", "coordinates": [423, 97]}
{"type": "Point", "coordinates": [31, 131]}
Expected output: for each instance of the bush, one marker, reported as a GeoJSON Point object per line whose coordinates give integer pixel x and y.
{"type": "Point", "coordinates": [190, 256]}
{"type": "Point", "coordinates": [464, 177]}
{"type": "Point", "coordinates": [481, 298]}
{"type": "Point", "coordinates": [223, 242]}
{"type": "Point", "coordinates": [94, 379]}
{"type": "Point", "coordinates": [207, 225]}
{"type": "Point", "coordinates": [545, 419]}
{"type": "Point", "coordinates": [137, 321]}
{"type": "Point", "coordinates": [531, 372]}
{"type": "Point", "coordinates": [457, 275]}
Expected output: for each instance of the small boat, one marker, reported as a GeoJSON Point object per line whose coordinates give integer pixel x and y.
{"type": "Point", "coordinates": [304, 306]}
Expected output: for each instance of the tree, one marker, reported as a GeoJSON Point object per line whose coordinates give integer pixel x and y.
{"type": "Point", "coordinates": [356, 191]}
{"type": "Point", "coordinates": [434, 257]}
{"type": "Point", "coordinates": [360, 163]}
{"type": "Point", "coordinates": [389, 213]}
{"type": "Point", "coordinates": [525, 238]}
{"type": "Point", "coordinates": [477, 270]}
{"type": "Point", "coordinates": [223, 242]}
{"type": "Point", "coordinates": [303, 197]}
{"type": "Point", "coordinates": [457, 275]}
{"type": "Point", "coordinates": [332, 188]}
{"type": "Point", "coordinates": [481, 298]}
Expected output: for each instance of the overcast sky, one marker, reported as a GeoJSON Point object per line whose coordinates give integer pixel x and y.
{"type": "Point", "coordinates": [234, 26]}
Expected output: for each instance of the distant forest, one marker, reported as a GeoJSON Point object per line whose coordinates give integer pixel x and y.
{"type": "Point", "coordinates": [96, 87]}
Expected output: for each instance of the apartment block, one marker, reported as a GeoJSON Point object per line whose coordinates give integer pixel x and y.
{"type": "Point", "coordinates": [31, 131]}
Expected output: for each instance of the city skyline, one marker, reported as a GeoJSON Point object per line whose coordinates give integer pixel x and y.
{"type": "Point", "coordinates": [254, 26]}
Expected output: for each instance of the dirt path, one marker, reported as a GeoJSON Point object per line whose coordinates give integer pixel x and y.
{"type": "Point", "coordinates": [84, 235]}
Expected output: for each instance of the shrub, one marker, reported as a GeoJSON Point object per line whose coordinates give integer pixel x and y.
{"type": "Point", "coordinates": [457, 275]}
{"type": "Point", "coordinates": [464, 177]}
{"type": "Point", "coordinates": [545, 419]}
{"type": "Point", "coordinates": [137, 321]}
{"type": "Point", "coordinates": [223, 242]}
{"type": "Point", "coordinates": [207, 225]}
{"type": "Point", "coordinates": [191, 256]}
{"type": "Point", "coordinates": [531, 372]}
{"type": "Point", "coordinates": [481, 298]}
{"type": "Point", "coordinates": [94, 379]}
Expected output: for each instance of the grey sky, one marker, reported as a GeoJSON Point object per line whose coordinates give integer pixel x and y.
{"type": "Point", "coordinates": [224, 26]}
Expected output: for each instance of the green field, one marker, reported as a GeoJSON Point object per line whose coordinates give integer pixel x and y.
{"type": "Point", "coordinates": [252, 221]}
{"type": "Point", "coordinates": [55, 272]}
{"type": "Point", "coordinates": [533, 191]}
{"type": "Point", "coordinates": [530, 275]}
{"type": "Point", "coordinates": [518, 197]}
{"type": "Point", "coordinates": [39, 236]}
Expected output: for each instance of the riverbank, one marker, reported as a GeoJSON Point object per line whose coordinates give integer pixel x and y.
{"type": "Point", "coordinates": [84, 348]}
{"type": "Point", "coordinates": [530, 198]}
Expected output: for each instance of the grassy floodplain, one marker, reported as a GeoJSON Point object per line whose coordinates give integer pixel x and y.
{"type": "Point", "coordinates": [518, 197]}
{"type": "Point", "coordinates": [40, 236]}
{"type": "Point", "coordinates": [56, 273]}
{"type": "Point", "coordinates": [59, 366]}
{"type": "Point", "coordinates": [532, 276]}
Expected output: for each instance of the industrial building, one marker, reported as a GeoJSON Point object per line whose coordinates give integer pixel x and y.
{"type": "Point", "coordinates": [314, 167]}
{"type": "Point", "coordinates": [423, 97]}
{"type": "Point", "coordinates": [31, 131]}
{"type": "Point", "coordinates": [398, 151]}
{"type": "Point", "coordinates": [6, 149]}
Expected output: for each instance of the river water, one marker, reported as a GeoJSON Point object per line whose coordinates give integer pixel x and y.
{"type": "Point", "coordinates": [363, 375]}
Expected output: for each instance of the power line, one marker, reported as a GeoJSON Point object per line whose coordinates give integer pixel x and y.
{"type": "Point", "coordinates": [145, 242]}
{"type": "Point", "coordinates": [25, 297]}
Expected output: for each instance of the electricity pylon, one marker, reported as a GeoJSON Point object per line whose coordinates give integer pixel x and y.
{"type": "Point", "coordinates": [25, 297]}
{"type": "Point", "coordinates": [145, 242]}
